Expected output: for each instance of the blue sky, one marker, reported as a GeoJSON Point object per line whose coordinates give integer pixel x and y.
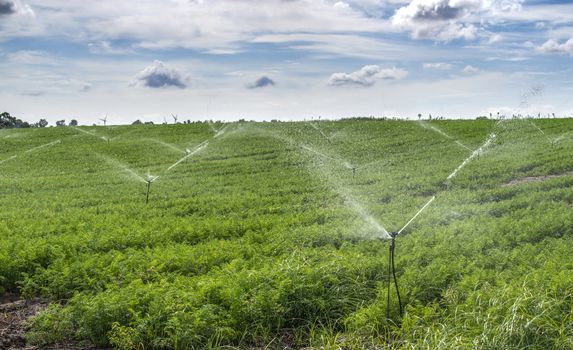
{"type": "Point", "coordinates": [283, 59]}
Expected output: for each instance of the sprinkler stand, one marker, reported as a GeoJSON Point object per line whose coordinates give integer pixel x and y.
{"type": "Point", "coordinates": [392, 274]}
{"type": "Point", "coordinates": [148, 190]}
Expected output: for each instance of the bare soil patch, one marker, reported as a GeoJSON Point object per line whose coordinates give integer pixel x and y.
{"type": "Point", "coordinates": [13, 316]}
{"type": "Point", "coordinates": [534, 179]}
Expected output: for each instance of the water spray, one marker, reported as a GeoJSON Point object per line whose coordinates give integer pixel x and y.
{"type": "Point", "coordinates": [391, 261]}
{"type": "Point", "coordinates": [168, 145]}
{"type": "Point", "coordinates": [551, 141]}
{"type": "Point", "coordinates": [7, 159]}
{"type": "Point", "coordinates": [221, 131]}
{"type": "Point", "coordinates": [106, 139]}
{"type": "Point", "coordinates": [474, 154]}
{"type": "Point", "coordinates": [197, 149]}
{"type": "Point", "coordinates": [441, 132]}
{"type": "Point", "coordinates": [315, 127]}
{"type": "Point", "coordinates": [346, 164]}
{"type": "Point", "coordinates": [43, 146]}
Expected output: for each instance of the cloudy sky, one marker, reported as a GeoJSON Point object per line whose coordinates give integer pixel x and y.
{"type": "Point", "coordinates": [284, 59]}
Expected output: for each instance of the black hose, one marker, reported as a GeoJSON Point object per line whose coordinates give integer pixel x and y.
{"type": "Point", "coordinates": [389, 281]}
{"type": "Point", "coordinates": [395, 279]}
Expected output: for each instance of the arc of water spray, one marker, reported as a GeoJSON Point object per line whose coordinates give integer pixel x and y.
{"type": "Point", "coordinates": [365, 216]}
{"type": "Point", "coordinates": [43, 146]}
{"type": "Point", "coordinates": [197, 149]}
{"type": "Point", "coordinates": [92, 134]}
{"type": "Point", "coordinates": [561, 137]}
{"type": "Point", "coordinates": [543, 132]}
{"type": "Point", "coordinates": [7, 159]}
{"type": "Point", "coordinates": [415, 216]}
{"type": "Point", "coordinates": [344, 163]}
{"type": "Point", "coordinates": [168, 145]}
{"type": "Point", "coordinates": [474, 154]}
{"type": "Point", "coordinates": [221, 131]}
{"type": "Point", "coordinates": [315, 127]}
{"type": "Point", "coordinates": [441, 132]}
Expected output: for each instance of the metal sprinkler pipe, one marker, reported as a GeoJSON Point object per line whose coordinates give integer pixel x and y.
{"type": "Point", "coordinates": [148, 190]}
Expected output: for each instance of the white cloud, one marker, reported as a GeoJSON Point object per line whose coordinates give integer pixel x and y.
{"type": "Point", "coordinates": [342, 45]}
{"type": "Point", "coordinates": [470, 70]}
{"type": "Point", "coordinates": [160, 76]}
{"type": "Point", "coordinates": [14, 7]}
{"type": "Point", "coordinates": [31, 57]}
{"type": "Point", "coordinates": [217, 26]}
{"type": "Point", "coordinates": [495, 38]}
{"type": "Point", "coordinates": [438, 65]}
{"type": "Point", "coordinates": [105, 47]}
{"type": "Point", "coordinates": [367, 76]}
{"type": "Point", "coordinates": [446, 20]}
{"type": "Point", "coordinates": [553, 46]}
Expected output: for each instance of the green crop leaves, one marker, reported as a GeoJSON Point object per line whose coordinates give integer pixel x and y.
{"type": "Point", "coordinates": [268, 236]}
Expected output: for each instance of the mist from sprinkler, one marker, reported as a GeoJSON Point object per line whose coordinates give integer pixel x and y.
{"type": "Point", "coordinates": [43, 146]}
{"type": "Point", "coordinates": [344, 163]}
{"type": "Point", "coordinates": [170, 146]}
{"type": "Point", "coordinates": [561, 137]}
{"type": "Point", "coordinates": [190, 153]}
{"type": "Point", "coordinates": [221, 131]}
{"type": "Point", "coordinates": [8, 159]}
{"type": "Point", "coordinates": [317, 128]}
{"type": "Point", "coordinates": [424, 125]}
{"type": "Point", "coordinates": [474, 154]}
{"type": "Point", "coordinates": [551, 141]}
{"type": "Point", "coordinates": [350, 201]}
{"type": "Point", "coordinates": [106, 139]}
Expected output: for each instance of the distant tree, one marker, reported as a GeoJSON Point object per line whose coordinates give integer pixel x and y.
{"type": "Point", "coordinates": [553, 114]}
{"type": "Point", "coordinates": [419, 116]}
{"type": "Point", "coordinates": [61, 123]}
{"type": "Point", "coordinates": [137, 122]}
{"type": "Point", "coordinates": [73, 122]}
{"type": "Point", "coordinates": [148, 123]}
{"type": "Point", "coordinates": [8, 121]}
{"type": "Point", "coordinates": [42, 123]}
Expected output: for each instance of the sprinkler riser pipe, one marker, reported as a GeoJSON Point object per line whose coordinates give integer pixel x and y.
{"type": "Point", "coordinates": [148, 190]}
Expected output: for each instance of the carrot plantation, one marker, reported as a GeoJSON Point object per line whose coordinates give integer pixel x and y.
{"type": "Point", "coordinates": [275, 234]}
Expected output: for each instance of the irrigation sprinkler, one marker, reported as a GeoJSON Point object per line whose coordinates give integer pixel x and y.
{"type": "Point", "coordinates": [392, 264]}
{"type": "Point", "coordinates": [149, 181]}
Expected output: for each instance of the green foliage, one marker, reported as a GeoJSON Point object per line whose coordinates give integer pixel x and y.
{"type": "Point", "coordinates": [258, 241]}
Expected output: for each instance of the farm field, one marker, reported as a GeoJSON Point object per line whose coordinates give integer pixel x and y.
{"type": "Point", "coordinates": [274, 235]}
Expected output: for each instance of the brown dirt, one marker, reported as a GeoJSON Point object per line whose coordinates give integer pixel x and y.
{"type": "Point", "coordinates": [534, 179]}
{"type": "Point", "coordinates": [13, 316]}
{"type": "Point", "coordinates": [14, 313]}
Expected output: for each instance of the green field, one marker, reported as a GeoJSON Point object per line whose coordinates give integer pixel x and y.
{"type": "Point", "coordinates": [267, 234]}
